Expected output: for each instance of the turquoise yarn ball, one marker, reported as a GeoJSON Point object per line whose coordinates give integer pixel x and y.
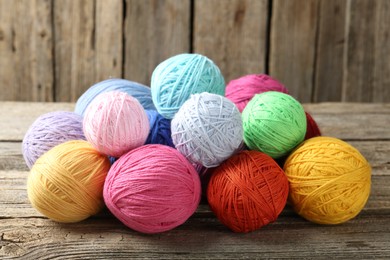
{"type": "Point", "coordinates": [274, 123]}
{"type": "Point", "coordinates": [175, 79]}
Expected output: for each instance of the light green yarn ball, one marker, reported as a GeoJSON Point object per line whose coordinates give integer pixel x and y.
{"type": "Point", "coordinates": [274, 123]}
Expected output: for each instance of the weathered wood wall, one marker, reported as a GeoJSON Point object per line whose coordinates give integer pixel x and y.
{"type": "Point", "coordinates": [322, 50]}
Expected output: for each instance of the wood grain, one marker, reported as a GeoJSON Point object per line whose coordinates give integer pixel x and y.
{"type": "Point", "coordinates": [74, 23]}
{"type": "Point", "coordinates": [89, 45]}
{"type": "Point", "coordinates": [330, 51]}
{"type": "Point", "coordinates": [109, 39]}
{"type": "Point", "coordinates": [381, 84]}
{"type": "Point", "coordinates": [154, 31]}
{"type": "Point", "coordinates": [322, 50]}
{"type": "Point", "coordinates": [366, 70]}
{"type": "Point", "coordinates": [290, 237]}
{"type": "Point", "coordinates": [292, 46]}
{"type": "Point", "coordinates": [16, 117]}
{"type": "Point", "coordinates": [360, 47]}
{"type": "Point", "coordinates": [232, 34]}
{"type": "Point", "coordinates": [26, 45]}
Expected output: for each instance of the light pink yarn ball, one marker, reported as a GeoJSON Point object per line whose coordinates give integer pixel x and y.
{"type": "Point", "coordinates": [152, 189]}
{"type": "Point", "coordinates": [115, 123]}
{"type": "Point", "coordinates": [242, 90]}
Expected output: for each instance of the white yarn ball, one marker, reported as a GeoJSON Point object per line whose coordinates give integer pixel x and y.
{"type": "Point", "coordinates": [207, 129]}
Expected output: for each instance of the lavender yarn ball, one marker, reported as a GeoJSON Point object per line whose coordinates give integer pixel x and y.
{"type": "Point", "coordinates": [50, 130]}
{"type": "Point", "coordinates": [134, 89]}
{"type": "Point", "coordinates": [160, 129]}
{"type": "Point", "coordinates": [207, 129]}
{"type": "Point", "coordinates": [175, 79]}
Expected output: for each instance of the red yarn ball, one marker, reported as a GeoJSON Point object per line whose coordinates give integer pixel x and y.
{"type": "Point", "coordinates": [247, 191]}
{"type": "Point", "coordinates": [242, 90]}
{"type": "Point", "coordinates": [312, 128]}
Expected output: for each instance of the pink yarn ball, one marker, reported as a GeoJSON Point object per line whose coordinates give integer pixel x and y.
{"type": "Point", "coordinates": [115, 123]}
{"type": "Point", "coordinates": [241, 90]}
{"type": "Point", "coordinates": [152, 189]}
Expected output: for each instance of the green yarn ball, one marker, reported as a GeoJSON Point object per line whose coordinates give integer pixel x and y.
{"type": "Point", "coordinates": [274, 123]}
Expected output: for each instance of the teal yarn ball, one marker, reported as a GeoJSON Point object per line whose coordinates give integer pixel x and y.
{"type": "Point", "coordinates": [175, 79]}
{"type": "Point", "coordinates": [274, 123]}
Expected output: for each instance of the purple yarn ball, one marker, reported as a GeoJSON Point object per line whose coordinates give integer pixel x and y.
{"type": "Point", "coordinates": [160, 129]}
{"type": "Point", "coordinates": [49, 130]}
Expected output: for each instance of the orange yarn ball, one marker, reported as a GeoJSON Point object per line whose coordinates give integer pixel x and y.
{"type": "Point", "coordinates": [247, 191]}
{"type": "Point", "coordinates": [66, 183]}
{"type": "Point", "coordinates": [330, 180]}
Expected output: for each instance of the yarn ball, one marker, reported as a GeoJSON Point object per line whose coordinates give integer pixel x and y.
{"type": "Point", "coordinates": [160, 129]}
{"type": "Point", "coordinates": [49, 130]}
{"type": "Point", "coordinates": [152, 189]}
{"type": "Point", "coordinates": [312, 129]}
{"type": "Point", "coordinates": [329, 179]}
{"type": "Point", "coordinates": [114, 123]}
{"type": "Point", "coordinates": [134, 89]}
{"type": "Point", "coordinates": [175, 79]}
{"type": "Point", "coordinates": [207, 129]}
{"type": "Point", "coordinates": [66, 183]}
{"type": "Point", "coordinates": [248, 191]}
{"type": "Point", "coordinates": [274, 123]}
{"type": "Point", "coordinates": [242, 90]}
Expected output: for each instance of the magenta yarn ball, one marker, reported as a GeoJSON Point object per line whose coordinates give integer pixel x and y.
{"type": "Point", "coordinates": [115, 123]}
{"type": "Point", "coordinates": [242, 90]}
{"type": "Point", "coordinates": [152, 189]}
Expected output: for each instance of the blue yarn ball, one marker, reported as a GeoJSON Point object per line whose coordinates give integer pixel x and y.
{"type": "Point", "coordinates": [137, 90]}
{"type": "Point", "coordinates": [175, 79]}
{"type": "Point", "coordinates": [112, 159]}
{"type": "Point", "coordinates": [160, 129]}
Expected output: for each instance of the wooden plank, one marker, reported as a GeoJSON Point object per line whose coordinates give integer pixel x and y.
{"type": "Point", "coordinates": [232, 34]}
{"type": "Point", "coordinates": [359, 67]}
{"type": "Point", "coordinates": [292, 46]}
{"type": "Point", "coordinates": [16, 117]}
{"type": "Point", "coordinates": [352, 121]}
{"type": "Point", "coordinates": [8, 86]}
{"type": "Point", "coordinates": [11, 157]}
{"type": "Point", "coordinates": [89, 45]}
{"type": "Point", "coordinates": [381, 84]}
{"type": "Point", "coordinates": [354, 127]}
{"type": "Point", "coordinates": [289, 237]}
{"type": "Point", "coordinates": [74, 25]}
{"type": "Point", "coordinates": [154, 31]}
{"type": "Point", "coordinates": [109, 39]}
{"type": "Point", "coordinates": [26, 44]}
{"type": "Point", "coordinates": [330, 51]}
{"type": "Point", "coordinates": [348, 108]}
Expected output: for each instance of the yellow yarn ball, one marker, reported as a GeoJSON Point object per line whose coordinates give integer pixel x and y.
{"type": "Point", "coordinates": [66, 183]}
{"type": "Point", "coordinates": [330, 180]}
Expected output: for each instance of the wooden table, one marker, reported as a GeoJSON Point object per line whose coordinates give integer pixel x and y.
{"type": "Point", "coordinates": [24, 233]}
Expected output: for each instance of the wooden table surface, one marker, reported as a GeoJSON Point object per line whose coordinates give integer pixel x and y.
{"type": "Point", "coordinates": [26, 234]}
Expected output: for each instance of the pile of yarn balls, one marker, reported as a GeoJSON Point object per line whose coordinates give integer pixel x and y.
{"type": "Point", "coordinates": [148, 154]}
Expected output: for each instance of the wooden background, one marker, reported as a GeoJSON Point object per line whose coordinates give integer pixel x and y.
{"type": "Point", "coordinates": [322, 50]}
